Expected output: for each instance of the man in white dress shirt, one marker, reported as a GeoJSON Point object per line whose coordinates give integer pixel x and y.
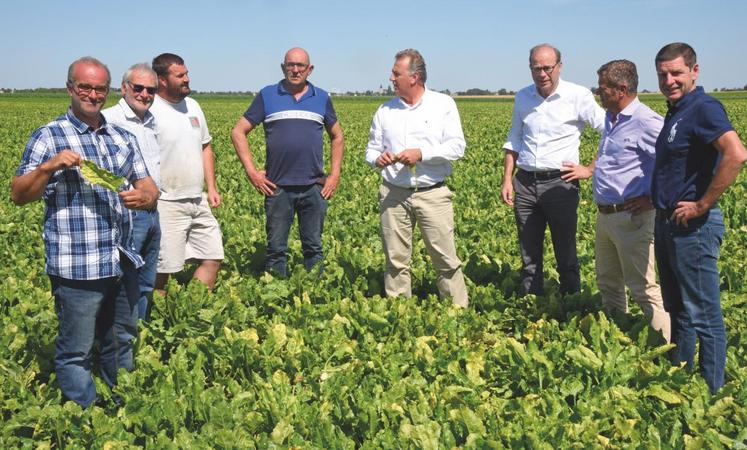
{"type": "Point", "coordinates": [413, 139]}
{"type": "Point", "coordinates": [548, 119]}
{"type": "Point", "coordinates": [139, 87]}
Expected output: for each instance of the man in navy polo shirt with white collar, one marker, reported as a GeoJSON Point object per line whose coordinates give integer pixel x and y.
{"type": "Point", "coordinates": [698, 156]}
{"type": "Point", "coordinates": [294, 113]}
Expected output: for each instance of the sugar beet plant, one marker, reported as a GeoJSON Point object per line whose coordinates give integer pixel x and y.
{"type": "Point", "coordinates": [326, 362]}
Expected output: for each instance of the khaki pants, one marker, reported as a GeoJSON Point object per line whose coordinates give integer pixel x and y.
{"type": "Point", "coordinates": [625, 257]}
{"type": "Point", "coordinates": [432, 210]}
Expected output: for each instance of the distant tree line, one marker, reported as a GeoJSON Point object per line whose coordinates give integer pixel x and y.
{"type": "Point", "coordinates": [478, 91]}
{"type": "Point", "coordinates": [383, 92]}
{"type": "Point", "coordinates": [723, 89]}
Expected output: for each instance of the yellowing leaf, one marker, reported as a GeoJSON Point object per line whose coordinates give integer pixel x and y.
{"type": "Point", "coordinates": [663, 394]}
{"type": "Point", "coordinates": [475, 365]}
{"type": "Point", "coordinates": [519, 349]}
{"type": "Point", "coordinates": [585, 357]}
{"type": "Point", "coordinates": [98, 175]}
{"type": "Point", "coordinates": [281, 432]}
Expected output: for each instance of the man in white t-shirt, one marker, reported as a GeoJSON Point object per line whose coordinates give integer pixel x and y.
{"type": "Point", "coordinates": [189, 229]}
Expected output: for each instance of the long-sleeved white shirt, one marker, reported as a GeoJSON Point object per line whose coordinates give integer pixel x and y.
{"type": "Point", "coordinates": [432, 125]}
{"type": "Point", "coordinates": [545, 132]}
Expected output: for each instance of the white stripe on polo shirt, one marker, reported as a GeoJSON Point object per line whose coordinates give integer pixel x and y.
{"type": "Point", "coordinates": [295, 114]}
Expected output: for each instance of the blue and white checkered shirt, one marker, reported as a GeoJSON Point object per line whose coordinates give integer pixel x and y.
{"type": "Point", "coordinates": [84, 225]}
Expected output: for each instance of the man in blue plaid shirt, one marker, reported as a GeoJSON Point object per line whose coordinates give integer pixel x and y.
{"type": "Point", "coordinates": [90, 259]}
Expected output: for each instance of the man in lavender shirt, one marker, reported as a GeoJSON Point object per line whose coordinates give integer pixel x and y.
{"type": "Point", "coordinates": [622, 173]}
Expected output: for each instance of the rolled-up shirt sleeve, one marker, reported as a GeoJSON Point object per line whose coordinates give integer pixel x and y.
{"type": "Point", "coordinates": [591, 112]}
{"type": "Point", "coordinates": [452, 143]}
{"type": "Point", "coordinates": [516, 134]}
{"type": "Point", "coordinates": [375, 146]}
{"type": "Point", "coordinates": [139, 168]}
{"type": "Point", "coordinates": [652, 126]}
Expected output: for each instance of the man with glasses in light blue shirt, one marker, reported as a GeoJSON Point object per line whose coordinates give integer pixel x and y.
{"type": "Point", "coordinates": [139, 87]}
{"type": "Point", "coordinates": [548, 119]}
{"type": "Point", "coordinates": [622, 168]}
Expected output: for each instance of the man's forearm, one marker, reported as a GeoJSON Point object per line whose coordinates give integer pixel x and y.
{"type": "Point", "coordinates": [30, 187]}
{"type": "Point", "coordinates": [241, 146]}
{"type": "Point", "coordinates": [208, 163]}
{"type": "Point", "coordinates": [509, 163]}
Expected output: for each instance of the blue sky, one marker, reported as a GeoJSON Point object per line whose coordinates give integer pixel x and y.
{"type": "Point", "coordinates": [238, 45]}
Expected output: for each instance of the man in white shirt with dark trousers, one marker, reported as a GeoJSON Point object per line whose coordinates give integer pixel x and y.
{"type": "Point", "coordinates": [548, 119]}
{"type": "Point", "coordinates": [414, 138]}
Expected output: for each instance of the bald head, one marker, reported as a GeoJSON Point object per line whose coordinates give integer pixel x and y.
{"type": "Point", "coordinates": [297, 54]}
{"type": "Point", "coordinates": [545, 47]}
{"type": "Point", "coordinates": [296, 68]}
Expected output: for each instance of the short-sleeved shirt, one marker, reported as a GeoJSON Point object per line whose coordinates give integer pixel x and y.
{"type": "Point", "coordinates": [182, 133]}
{"type": "Point", "coordinates": [84, 226]}
{"type": "Point", "coordinates": [144, 130]}
{"type": "Point", "coordinates": [293, 132]}
{"type": "Point", "coordinates": [686, 158]}
{"type": "Point", "coordinates": [625, 160]}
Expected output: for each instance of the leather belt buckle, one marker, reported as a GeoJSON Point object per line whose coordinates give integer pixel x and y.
{"type": "Point", "coordinates": [611, 209]}
{"type": "Point", "coordinates": [543, 174]}
{"type": "Point", "coordinates": [427, 188]}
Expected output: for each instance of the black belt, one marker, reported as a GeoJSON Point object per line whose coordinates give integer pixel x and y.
{"type": "Point", "coordinates": [542, 174]}
{"type": "Point", "coordinates": [611, 209]}
{"type": "Point", "coordinates": [418, 188]}
{"type": "Point", "coordinates": [664, 214]}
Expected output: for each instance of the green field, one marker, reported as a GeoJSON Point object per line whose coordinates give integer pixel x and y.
{"type": "Point", "coordinates": [328, 363]}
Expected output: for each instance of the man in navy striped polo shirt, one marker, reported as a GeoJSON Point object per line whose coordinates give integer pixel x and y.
{"type": "Point", "coordinates": [294, 113]}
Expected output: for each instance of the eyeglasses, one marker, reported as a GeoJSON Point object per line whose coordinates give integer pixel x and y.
{"type": "Point", "coordinates": [86, 89]}
{"type": "Point", "coordinates": [299, 66]}
{"type": "Point", "coordinates": [138, 88]}
{"type": "Point", "coordinates": [547, 69]}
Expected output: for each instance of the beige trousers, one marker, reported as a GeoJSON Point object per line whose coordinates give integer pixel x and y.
{"type": "Point", "coordinates": [625, 257]}
{"type": "Point", "coordinates": [432, 210]}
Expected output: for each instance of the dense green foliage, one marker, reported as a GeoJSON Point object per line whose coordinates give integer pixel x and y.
{"type": "Point", "coordinates": [328, 363]}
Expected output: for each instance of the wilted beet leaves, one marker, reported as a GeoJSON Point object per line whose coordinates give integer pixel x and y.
{"type": "Point", "coordinates": [95, 174]}
{"type": "Point", "coordinates": [326, 362]}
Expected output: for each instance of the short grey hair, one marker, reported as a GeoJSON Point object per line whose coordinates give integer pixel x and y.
{"type": "Point", "coordinates": [143, 67]}
{"type": "Point", "coordinates": [87, 60]}
{"type": "Point", "coordinates": [417, 63]}
{"type": "Point", "coordinates": [534, 49]}
{"type": "Point", "coordinates": [620, 72]}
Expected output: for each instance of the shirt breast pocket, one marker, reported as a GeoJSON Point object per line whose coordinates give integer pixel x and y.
{"type": "Point", "coordinates": [623, 150]}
